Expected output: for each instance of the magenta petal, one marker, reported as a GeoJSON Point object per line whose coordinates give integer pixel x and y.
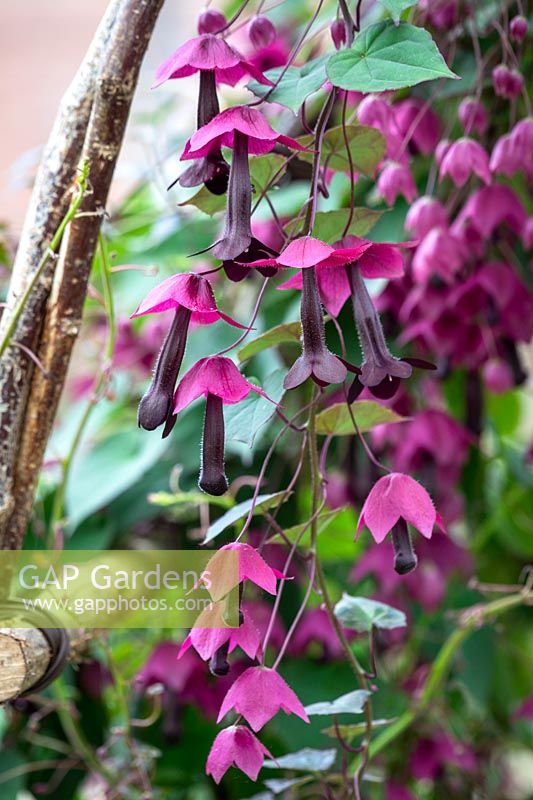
{"type": "Point", "coordinates": [304, 252]}
{"type": "Point", "coordinates": [216, 375]}
{"type": "Point", "coordinates": [382, 261]}
{"type": "Point", "coordinates": [394, 496]}
{"type": "Point", "coordinates": [258, 694]}
{"type": "Point", "coordinates": [236, 746]}
{"type": "Point", "coordinates": [253, 567]}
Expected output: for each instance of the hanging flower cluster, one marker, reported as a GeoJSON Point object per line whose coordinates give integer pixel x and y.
{"type": "Point", "coordinates": [452, 289]}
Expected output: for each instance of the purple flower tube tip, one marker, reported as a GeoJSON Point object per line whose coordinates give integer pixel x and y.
{"type": "Point", "coordinates": [192, 299]}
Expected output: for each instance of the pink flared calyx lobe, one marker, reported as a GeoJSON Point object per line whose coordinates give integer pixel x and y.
{"type": "Point", "coordinates": [206, 641]}
{"type": "Point", "coordinates": [214, 375]}
{"type": "Point", "coordinates": [220, 132]}
{"type": "Point", "coordinates": [185, 290]}
{"type": "Point", "coordinates": [374, 260]}
{"type": "Point", "coordinates": [464, 157]}
{"type": "Point", "coordinates": [236, 746]}
{"type": "Point", "coordinates": [258, 694]}
{"type": "Point", "coordinates": [253, 567]}
{"type": "Point", "coordinates": [208, 52]}
{"type": "Point", "coordinates": [398, 496]}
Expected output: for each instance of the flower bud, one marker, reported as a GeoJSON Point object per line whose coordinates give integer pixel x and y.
{"type": "Point", "coordinates": [497, 376]}
{"type": "Point", "coordinates": [507, 82]}
{"type": "Point", "coordinates": [338, 33]}
{"type": "Point", "coordinates": [211, 21]}
{"type": "Point", "coordinates": [473, 116]}
{"type": "Point", "coordinates": [261, 32]}
{"type": "Point", "coordinates": [518, 29]}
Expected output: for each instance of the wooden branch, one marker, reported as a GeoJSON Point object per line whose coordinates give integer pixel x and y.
{"type": "Point", "coordinates": [100, 101]}
{"type": "Point", "coordinates": [24, 658]}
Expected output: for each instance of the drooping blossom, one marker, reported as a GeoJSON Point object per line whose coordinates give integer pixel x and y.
{"type": "Point", "coordinates": [395, 791]}
{"type": "Point", "coordinates": [381, 372]}
{"type": "Point", "coordinates": [258, 694]}
{"type": "Point", "coordinates": [507, 82]}
{"type": "Point", "coordinates": [252, 567]}
{"type": "Point", "coordinates": [337, 31]}
{"type": "Point", "coordinates": [498, 376]}
{"type": "Point", "coordinates": [236, 746]}
{"type": "Point", "coordinates": [513, 152]}
{"type": "Point", "coordinates": [191, 298]}
{"type": "Point", "coordinates": [220, 382]}
{"type": "Point", "coordinates": [215, 644]}
{"type": "Point", "coordinates": [378, 113]}
{"type": "Point", "coordinates": [394, 501]}
{"type": "Point", "coordinates": [311, 255]}
{"type": "Point", "coordinates": [440, 254]}
{"type": "Point", "coordinates": [432, 754]}
{"type": "Point", "coordinates": [490, 207]}
{"type": "Point", "coordinates": [441, 13]}
{"type": "Point", "coordinates": [527, 234]}
{"type": "Point", "coordinates": [518, 28]}
{"type": "Point", "coordinates": [418, 124]}
{"type": "Point", "coordinates": [211, 21]}
{"type": "Point", "coordinates": [375, 260]}
{"type": "Point", "coordinates": [215, 60]}
{"type": "Point", "coordinates": [394, 180]}
{"type": "Point", "coordinates": [473, 116]}
{"type": "Point", "coordinates": [261, 32]}
{"type": "Point", "coordinates": [464, 157]}
{"type": "Point", "coordinates": [247, 132]}
{"type": "Point", "coordinates": [425, 214]}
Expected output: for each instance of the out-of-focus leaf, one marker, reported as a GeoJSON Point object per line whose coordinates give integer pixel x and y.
{"type": "Point", "coordinates": [330, 225]}
{"type": "Point", "coordinates": [262, 171]}
{"type": "Point", "coordinates": [279, 785]}
{"type": "Point", "coordinates": [10, 760]}
{"type": "Point", "coordinates": [387, 56]}
{"type": "Point", "coordinates": [351, 703]}
{"type": "Point", "coordinates": [367, 148]}
{"type": "Point", "coordinates": [110, 467]}
{"type": "Point", "coordinates": [296, 84]}
{"type": "Point", "coordinates": [368, 414]}
{"type": "Point", "coordinates": [244, 420]}
{"type": "Point", "coordinates": [241, 510]}
{"type": "Point", "coordinates": [349, 732]}
{"type": "Point", "coordinates": [361, 614]}
{"type": "Point", "coordinates": [324, 520]}
{"type": "Point", "coordinates": [170, 499]}
{"type": "Point", "coordinates": [288, 332]}
{"type": "Point", "coordinates": [307, 759]}
{"type": "Point", "coordinates": [395, 7]}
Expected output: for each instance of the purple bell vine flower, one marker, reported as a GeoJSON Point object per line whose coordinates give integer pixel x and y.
{"type": "Point", "coordinates": [191, 298]}
{"type": "Point", "coordinates": [247, 132]}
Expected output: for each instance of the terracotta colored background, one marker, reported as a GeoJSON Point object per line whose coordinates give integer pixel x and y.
{"type": "Point", "coordinates": [41, 45]}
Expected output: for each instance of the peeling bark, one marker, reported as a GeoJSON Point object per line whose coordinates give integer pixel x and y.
{"type": "Point", "coordinates": [90, 125]}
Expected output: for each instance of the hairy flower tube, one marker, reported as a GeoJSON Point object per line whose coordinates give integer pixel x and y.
{"type": "Point", "coordinates": [381, 372]}
{"type": "Point", "coordinates": [220, 382]}
{"type": "Point", "coordinates": [216, 61]}
{"type": "Point", "coordinates": [192, 299]}
{"type": "Point", "coordinates": [247, 132]}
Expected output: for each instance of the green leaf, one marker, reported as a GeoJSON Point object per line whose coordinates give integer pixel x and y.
{"type": "Point", "coordinates": [395, 7]}
{"type": "Point", "coordinates": [323, 522]}
{"type": "Point", "coordinates": [336, 420]}
{"type": "Point", "coordinates": [349, 732]}
{"type": "Point", "coordinates": [367, 148]}
{"type": "Point", "coordinates": [361, 614]}
{"type": "Point", "coordinates": [307, 759]}
{"type": "Point", "coordinates": [262, 171]}
{"type": "Point", "coordinates": [296, 84]}
{"type": "Point", "coordinates": [110, 467]}
{"type": "Point", "coordinates": [170, 499]}
{"type": "Point", "coordinates": [241, 510]}
{"type": "Point", "coordinates": [244, 420]}
{"type": "Point", "coordinates": [279, 785]}
{"type": "Point", "coordinates": [351, 703]}
{"type": "Point", "coordinates": [288, 332]}
{"type": "Point", "coordinates": [387, 56]}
